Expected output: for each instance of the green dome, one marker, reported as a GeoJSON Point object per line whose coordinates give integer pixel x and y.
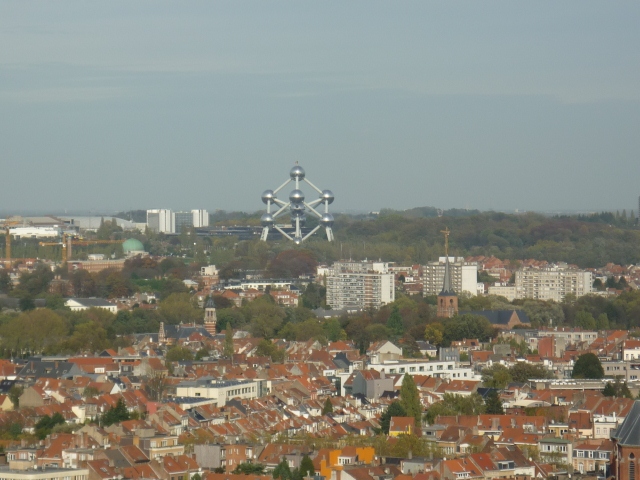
{"type": "Point", "coordinates": [132, 245]}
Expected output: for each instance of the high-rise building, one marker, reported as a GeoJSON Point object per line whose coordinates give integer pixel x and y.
{"type": "Point", "coordinates": [553, 282]}
{"type": "Point", "coordinates": [184, 221]}
{"type": "Point", "coordinates": [360, 285]}
{"type": "Point", "coordinates": [463, 275]}
{"type": "Point", "coordinates": [161, 221]}
{"type": "Point", "coordinates": [200, 218]}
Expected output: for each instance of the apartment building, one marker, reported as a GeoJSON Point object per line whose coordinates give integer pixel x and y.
{"type": "Point", "coordinates": [552, 282]}
{"type": "Point", "coordinates": [161, 221]}
{"type": "Point", "coordinates": [220, 391]}
{"type": "Point", "coordinates": [349, 290]}
{"type": "Point", "coordinates": [464, 276]}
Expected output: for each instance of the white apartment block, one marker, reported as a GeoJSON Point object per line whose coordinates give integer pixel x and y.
{"type": "Point", "coordinates": [161, 221]}
{"type": "Point", "coordinates": [263, 284]}
{"type": "Point", "coordinates": [464, 276]}
{"type": "Point", "coordinates": [436, 368]}
{"type": "Point", "coordinates": [200, 218]}
{"type": "Point", "coordinates": [220, 391]}
{"type": "Point", "coordinates": [553, 282]}
{"type": "Point", "coordinates": [631, 350]}
{"type": "Point", "coordinates": [359, 267]}
{"type": "Point", "coordinates": [570, 336]}
{"type": "Point", "coordinates": [506, 291]}
{"type": "Point", "coordinates": [347, 290]}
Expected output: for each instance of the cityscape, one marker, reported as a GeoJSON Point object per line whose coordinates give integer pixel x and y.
{"type": "Point", "coordinates": [319, 241]}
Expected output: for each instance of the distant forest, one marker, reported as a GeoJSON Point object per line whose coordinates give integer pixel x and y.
{"type": "Point", "coordinates": [414, 236]}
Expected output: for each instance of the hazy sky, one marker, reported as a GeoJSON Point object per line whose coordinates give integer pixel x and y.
{"type": "Point", "coordinates": [504, 105]}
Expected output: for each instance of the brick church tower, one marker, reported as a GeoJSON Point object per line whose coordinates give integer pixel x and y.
{"type": "Point", "coordinates": [210, 318]}
{"type": "Point", "coordinates": [625, 464]}
{"type": "Point", "coordinates": [447, 298]}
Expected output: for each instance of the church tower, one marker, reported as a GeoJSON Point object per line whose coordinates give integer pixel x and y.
{"type": "Point", "coordinates": [447, 298]}
{"type": "Point", "coordinates": [210, 318]}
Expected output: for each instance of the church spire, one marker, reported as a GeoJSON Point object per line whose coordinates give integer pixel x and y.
{"type": "Point", "coordinates": [447, 299]}
{"type": "Point", "coordinates": [447, 289]}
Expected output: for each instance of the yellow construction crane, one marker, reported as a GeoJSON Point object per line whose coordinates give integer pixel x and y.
{"type": "Point", "coordinates": [68, 242]}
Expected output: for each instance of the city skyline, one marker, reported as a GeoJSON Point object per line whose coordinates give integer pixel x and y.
{"type": "Point", "coordinates": [112, 107]}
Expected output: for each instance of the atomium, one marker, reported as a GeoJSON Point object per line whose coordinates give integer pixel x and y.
{"type": "Point", "coordinates": [298, 208]}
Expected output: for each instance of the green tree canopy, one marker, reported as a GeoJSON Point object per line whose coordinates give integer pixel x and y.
{"type": "Point", "coordinates": [410, 399]}
{"type": "Point", "coordinates": [455, 405]}
{"type": "Point", "coordinates": [116, 414]}
{"type": "Point", "coordinates": [179, 307]}
{"type": "Point", "coordinates": [328, 406]}
{"type": "Point", "coordinates": [493, 404]}
{"type": "Point", "coordinates": [395, 409]}
{"type": "Point", "coordinates": [496, 376]}
{"type": "Point", "coordinates": [249, 468]}
{"type": "Point", "coordinates": [521, 372]}
{"type": "Point", "coordinates": [588, 366]}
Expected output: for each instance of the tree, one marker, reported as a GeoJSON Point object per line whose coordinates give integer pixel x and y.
{"type": "Point", "coordinates": [266, 348]}
{"type": "Point", "coordinates": [27, 303]}
{"type": "Point", "coordinates": [228, 342]}
{"type": "Point", "coordinates": [282, 470]}
{"type": "Point", "coordinates": [394, 323]}
{"type": "Point", "coordinates": [178, 307]}
{"type": "Point", "coordinates": [585, 320]}
{"type": "Point", "coordinates": [35, 331]}
{"type": "Point", "coordinates": [178, 354]}
{"type": "Point", "coordinates": [394, 410]}
{"type": "Point", "coordinates": [434, 333]}
{"type": "Point", "coordinates": [588, 366]}
{"type": "Point", "coordinates": [46, 424]}
{"type": "Point", "coordinates": [617, 389]}
{"type": "Point", "coordinates": [249, 468]}
{"type": "Point", "coordinates": [493, 404]}
{"type": "Point", "coordinates": [496, 376]}
{"type": "Point", "coordinates": [90, 392]}
{"type": "Point", "coordinates": [202, 353]}
{"type": "Point", "coordinates": [292, 264]}
{"type": "Point", "coordinates": [88, 336]}
{"type": "Point", "coordinates": [521, 372]}
{"type": "Point", "coordinates": [116, 414]}
{"type": "Point", "coordinates": [608, 390]}
{"type": "Point", "coordinates": [306, 467]}
{"type": "Point", "coordinates": [5, 282]}
{"type": "Point", "coordinates": [156, 386]}
{"type": "Point", "coordinates": [328, 406]}
{"type": "Point", "coordinates": [410, 399]}
{"type": "Point", "coordinates": [14, 395]}
{"type": "Point", "coordinates": [455, 405]}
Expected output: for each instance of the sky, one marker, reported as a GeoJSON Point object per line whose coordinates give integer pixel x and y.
{"type": "Point", "coordinates": [108, 106]}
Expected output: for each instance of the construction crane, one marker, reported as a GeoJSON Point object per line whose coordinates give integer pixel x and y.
{"type": "Point", "coordinates": [68, 242]}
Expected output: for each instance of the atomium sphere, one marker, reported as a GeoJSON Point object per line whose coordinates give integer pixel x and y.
{"type": "Point", "coordinates": [267, 220]}
{"type": "Point", "coordinates": [296, 196]}
{"type": "Point", "coordinates": [297, 172]}
{"type": "Point", "coordinates": [297, 240]}
{"type": "Point", "coordinates": [327, 196]}
{"type": "Point", "coordinates": [327, 220]}
{"type": "Point", "coordinates": [268, 195]}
